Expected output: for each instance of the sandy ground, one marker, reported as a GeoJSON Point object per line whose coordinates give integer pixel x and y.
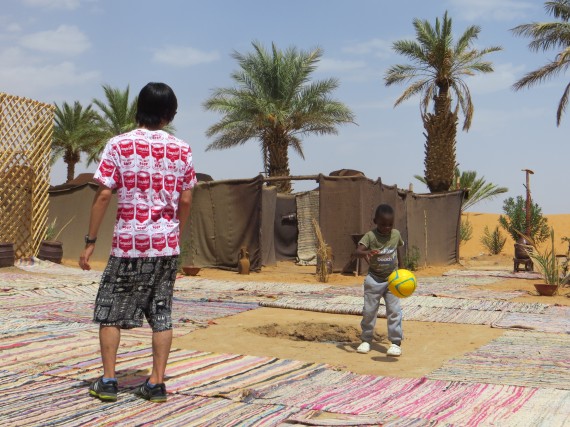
{"type": "Point", "coordinates": [426, 345]}
{"type": "Point", "coordinates": [308, 335]}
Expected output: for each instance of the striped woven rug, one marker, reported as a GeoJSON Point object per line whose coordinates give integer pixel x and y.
{"type": "Point", "coordinates": [39, 400]}
{"type": "Point", "coordinates": [529, 359]}
{"type": "Point", "coordinates": [419, 308]}
{"type": "Point", "coordinates": [554, 320]}
{"type": "Point", "coordinates": [494, 273]}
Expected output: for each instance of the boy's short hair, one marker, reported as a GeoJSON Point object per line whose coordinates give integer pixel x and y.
{"type": "Point", "coordinates": [385, 210]}
{"type": "Point", "coordinates": [156, 103]}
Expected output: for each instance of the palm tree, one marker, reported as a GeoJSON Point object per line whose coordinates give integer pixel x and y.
{"type": "Point", "coordinates": [117, 116]}
{"type": "Point", "coordinates": [437, 71]}
{"type": "Point", "coordinates": [76, 130]}
{"type": "Point", "coordinates": [275, 102]}
{"type": "Point", "coordinates": [479, 188]}
{"type": "Point", "coordinates": [546, 36]}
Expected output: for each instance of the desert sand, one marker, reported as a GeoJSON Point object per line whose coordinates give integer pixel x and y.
{"type": "Point", "coordinates": [315, 337]}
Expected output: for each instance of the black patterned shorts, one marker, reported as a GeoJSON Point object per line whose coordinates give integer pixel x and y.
{"type": "Point", "coordinates": [133, 287]}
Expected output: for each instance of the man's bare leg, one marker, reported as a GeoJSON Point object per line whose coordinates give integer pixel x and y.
{"type": "Point", "coordinates": [161, 342]}
{"type": "Point", "coordinates": [109, 339]}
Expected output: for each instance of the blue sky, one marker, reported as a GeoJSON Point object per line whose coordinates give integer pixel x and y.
{"type": "Point", "coordinates": [64, 50]}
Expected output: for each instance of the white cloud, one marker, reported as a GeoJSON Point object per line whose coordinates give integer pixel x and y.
{"type": "Point", "coordinates": [503, 10]}
{"type": "Point", "coordinates": [27, 75]}
{"type": "Point", "coordinates": [54, 4]}
{"type": "Point", "coordinates": [377, 47]}
{"type": "Point", "coordinates": [63, 40]}
{"type": "Point", "coordinates": [338, 65]}
{"type": "Point", "coordinates": [13, 28]}
{"type": "Point", "coordinates": [184, 56]}
{"type": "Point", "coordinates": [502, 78]}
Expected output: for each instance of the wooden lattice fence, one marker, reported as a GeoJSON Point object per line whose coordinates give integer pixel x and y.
{"type": "Point", "coordinates": [26, 128]}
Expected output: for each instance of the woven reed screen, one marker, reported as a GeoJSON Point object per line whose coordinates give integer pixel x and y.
{"type": "Point", "coordinates": [26, 128]}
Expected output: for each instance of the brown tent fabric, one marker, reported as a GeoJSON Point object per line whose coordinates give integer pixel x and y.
{"type": "Point", "coordinates": [74, 201]}
{"type": "Point", "coordinates": [225, 216]}
{"type": "Point", "coordinates": [347, 208]}
{"type": "Point", "coordinates": [433, 226]}
{"type": "Point", "coordinates": [285, 227]}
{"type": "Point", "coordinates": [268, 207]}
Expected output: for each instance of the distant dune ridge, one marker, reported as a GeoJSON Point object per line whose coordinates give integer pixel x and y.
{"type": "Point", "coordinates": [474, 247]}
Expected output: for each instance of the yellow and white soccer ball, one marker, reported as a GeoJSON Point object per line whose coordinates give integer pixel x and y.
{"type": "Point", "coordinates": [402, 283]}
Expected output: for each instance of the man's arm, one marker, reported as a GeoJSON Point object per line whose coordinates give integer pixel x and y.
{"type": "Point", "coordinates": [98, 209]}
{"type": "Point", "coordinates": [184, 206]}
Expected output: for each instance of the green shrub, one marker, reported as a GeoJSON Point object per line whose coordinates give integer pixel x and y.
{"type": "Point", "coordinates": [514, 221]}
{"type": "Point", "coordinates": [493, 241]}
{"type": "Point", "coordinates": [465, 230]}
{"type": "Point", "coordinates": [412, 258]}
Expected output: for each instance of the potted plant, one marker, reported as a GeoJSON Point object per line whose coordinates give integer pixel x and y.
{"type": "Point", "coordinates": [51, 249]}
{"type": "Point", "coordinates": [547, 264]}
{"type": "Point", "coordinates": [189, 270]}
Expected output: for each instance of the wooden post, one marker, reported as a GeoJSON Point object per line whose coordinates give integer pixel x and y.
{"type": "Point", "coordinates": [528, 200]}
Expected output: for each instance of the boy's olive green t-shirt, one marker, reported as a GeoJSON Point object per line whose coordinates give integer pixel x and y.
{"type": "Point", "coordinates": [386, 260]}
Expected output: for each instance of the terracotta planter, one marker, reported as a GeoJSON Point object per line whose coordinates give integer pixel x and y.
{"type": "Point", "coordinates": [191, 271]}
{"type": "Point", "coordinates": [51, 251]}
{"type": "Point", "coordinates": [546, 290]}
{"type": "Point", "coordinates": [7, 255]}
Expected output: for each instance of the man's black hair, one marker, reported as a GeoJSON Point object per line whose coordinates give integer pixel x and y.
{"type": "Point", "coordinates": [156, 103]}
{"type": "Point", "coordinates": [385, 210]}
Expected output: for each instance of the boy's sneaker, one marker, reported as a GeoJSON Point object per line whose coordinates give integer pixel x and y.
{"type": "Point", "coordinates": [156, 394]}
{"type": "Point", "coordinates": [394, 350]}
{"type": "Point", "coordinates": [107, 392]}
{"type": "Point", "coordinates": [363, 348]}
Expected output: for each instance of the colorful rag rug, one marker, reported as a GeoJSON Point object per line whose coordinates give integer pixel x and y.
{"type": "Point", "coordinates": [40, 400]}
{"type": "Point", "coordinates": [419, 308]}
{"type": "Point", "coordinates": [529, 275]}
{"type": "Point", "coordinates": [553, 320]}
{"type": "Point", "coordinates": [530, 359]}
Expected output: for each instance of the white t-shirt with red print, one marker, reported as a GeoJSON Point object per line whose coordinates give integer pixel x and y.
{"type": "Point", "coordinates": [149, 169]}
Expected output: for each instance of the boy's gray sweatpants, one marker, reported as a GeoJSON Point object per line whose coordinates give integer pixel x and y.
{"type": "Point", "coordinates": [373, 291]}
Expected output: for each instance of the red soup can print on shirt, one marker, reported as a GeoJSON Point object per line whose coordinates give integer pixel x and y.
{"type": "Point", "coordinates": [129, 180]}
{"type": "Point", "coordinates": [143, 181]}
{"type": "Point", "coordinates": [172, 152]}
{"type": "Point", "coordinates": [168, 213]}
{"type": "Point", "coordinates": [155, 213]}
{"type": "Point", "coordinates": [157, 182]}
{"type": "Point", "coordinates": [125, 242]}
{"type": "Point", "coordinates": [169, 183]}
{"type": "Point", "coordinates": [107, 168]}
{"type": "Point", "coordinates": [158, 241]}
{"type": "Point", "coordinates": [142, 213]}
{"type": "Point", "coordinates": [127, 211]}
{"type": "Point", "coordinates": [127, 148]}
{"type": "Point", "coordinates": [157, 151]}
{"type": "Point", "coordinates": [142, 242]}
{"type": "Point", "coordinates": [173, 240]}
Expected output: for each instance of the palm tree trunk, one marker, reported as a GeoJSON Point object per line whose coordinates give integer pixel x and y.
{"type": "Point", "coordinates": [277, 149]}
{"type": "Point", "coordinates": [71, 158]}
{"type": "Point", "coordinates": [441, 130]}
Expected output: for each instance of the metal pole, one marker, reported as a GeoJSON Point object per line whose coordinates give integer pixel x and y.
{"type": "Point", "coordinates": [528, 200]}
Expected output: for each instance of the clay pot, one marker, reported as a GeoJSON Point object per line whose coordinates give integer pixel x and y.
{"type": "Point", "coordinates": [51, 251]}
{"type": "Point", "coordinates": [7, 255]}
{"type": "Point", "coordinates": [243, 261]}
{"type": "Point", "coordinates": [191, 271]}
{"type": "Point", "coordinates": [546, 290]}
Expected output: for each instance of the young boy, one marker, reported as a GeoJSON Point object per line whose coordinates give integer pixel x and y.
{"type": "Point", "coordinates": [382, 248]}
{"type": "Point", "coordinates": [153, 174]}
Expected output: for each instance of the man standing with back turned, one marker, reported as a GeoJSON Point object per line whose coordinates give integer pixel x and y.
{"type": "Point", "coordinates": [153, 174]}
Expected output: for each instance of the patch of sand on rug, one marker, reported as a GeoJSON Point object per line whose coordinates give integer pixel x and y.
{"type": "Point", "coordinates": [425, 348]}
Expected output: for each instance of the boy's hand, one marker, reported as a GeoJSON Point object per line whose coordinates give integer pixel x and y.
{"type": "Point", "coordinates": [85, 255]}
{"type": "Point", "coordinates": [370, 254]}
